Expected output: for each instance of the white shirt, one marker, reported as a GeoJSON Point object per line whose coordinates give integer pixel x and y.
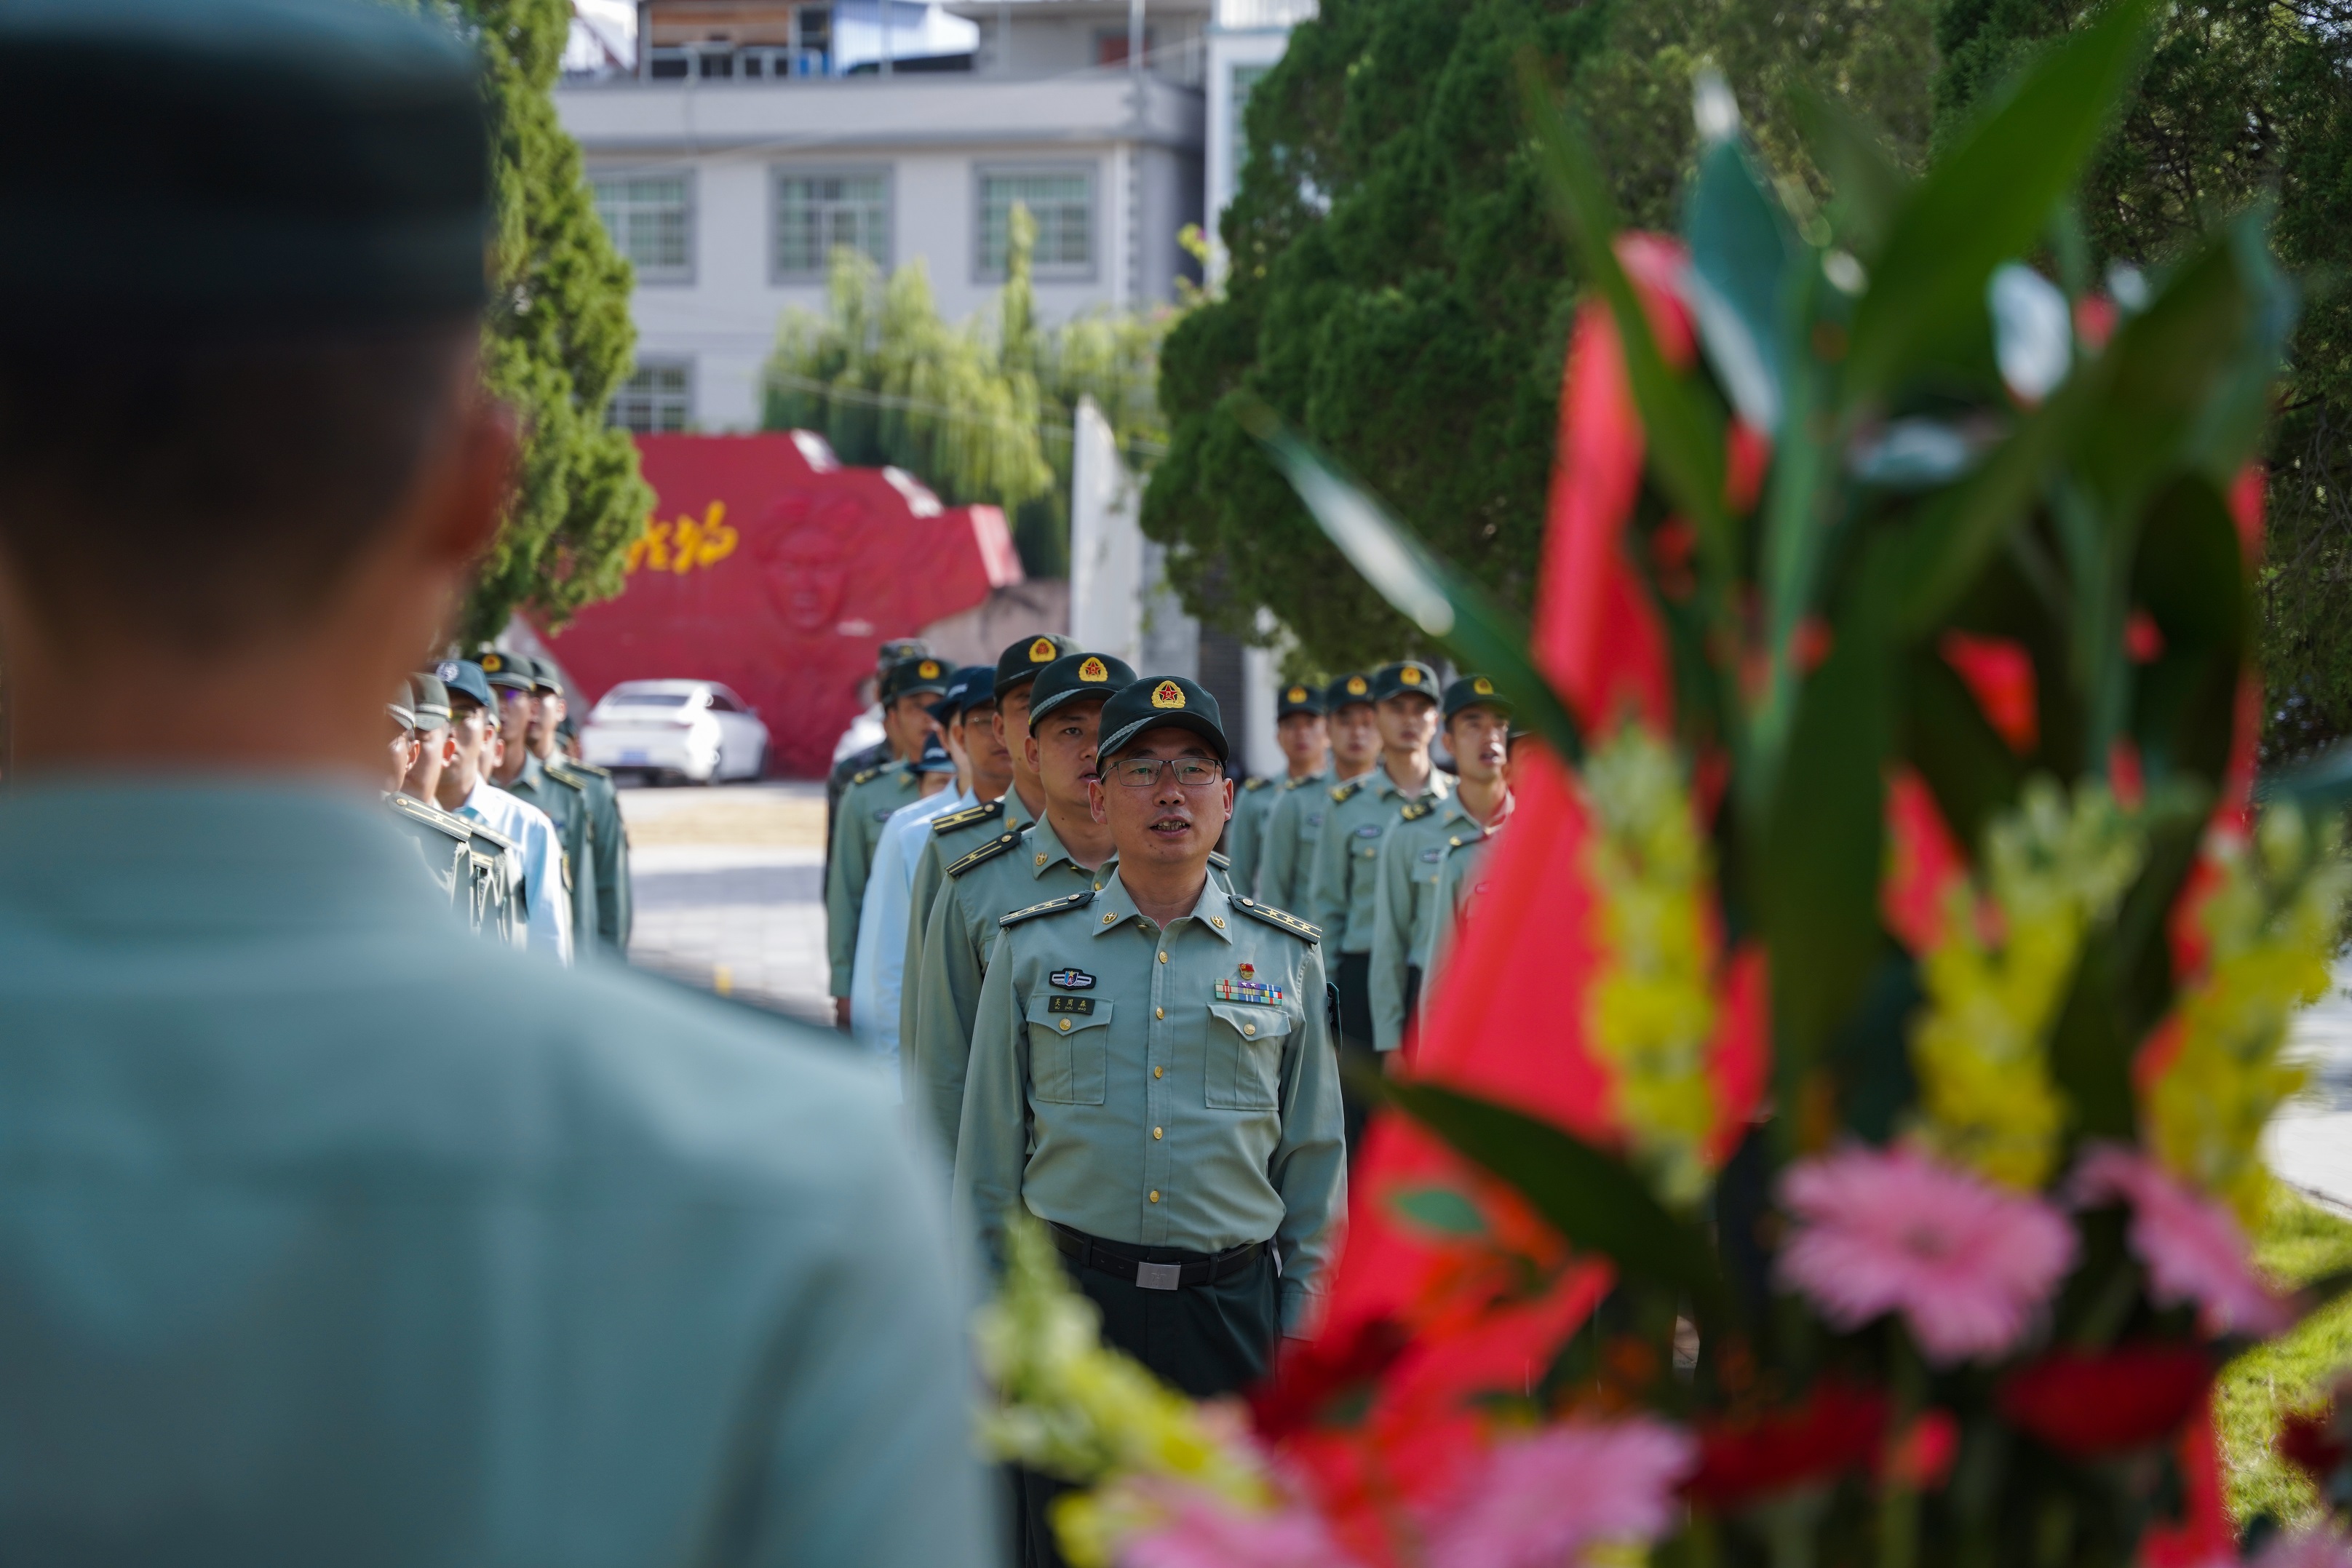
{"type": "Point", "coordinates": [547, 902]}
{"type": "Point", "coordinates": [879, 969]}
{"type": "Point", "coordinates": [864, 730]}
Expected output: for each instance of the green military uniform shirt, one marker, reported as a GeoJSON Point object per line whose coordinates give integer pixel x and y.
{"type": "Point", "coordinates": [565, 802]}
{"type": "Point", "coordinates": [1246, 836]}
{"type": "Point", "coordinates": [615, 897]}
{"type": "Point", "coordinates": [1348, 852]}
{"type": "Point", "coordinates": [953, 837]}
{"type": "Point", "coordinates": [332, 1235]}
{"type": "Point", "coordinates": [1172, 1087]}
{"type": "Point", "coordinates": [1461, 873]}
{"type": "Point", "coordinates": [443, 844]}
{"type": "Point", "coordinates": [865, 805]}
{"type": "Point", "coordinates": [1012, 870]}
{"type": "Point", "coordinates": [1411, 861]}
{"type": "Point", "coordinates": [1286, 868]}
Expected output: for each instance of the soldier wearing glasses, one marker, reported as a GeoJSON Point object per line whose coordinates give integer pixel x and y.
{"type": "Point", "coordinates": [1152, 1074]}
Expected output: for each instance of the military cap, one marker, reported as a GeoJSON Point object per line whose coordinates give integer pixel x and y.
{"type": "Point", "coordinates": [305, 164]}
{"type": "Point", "coordinates": [511, 672]}
{"type": "Point", "coordinates": [896, 651]}
{"type": "Point", "coordinates": [910, 677]}
{"type": "Point", "coordinates": [1020, 661]}
{"type": "Point", "coordinates": [402, 707]}
{"type": "Point", "coordinates": [973, 685]}
{"type": "Point", "coordinates": [463, 677]}
{"type": "Point", "coordinates": [1075, 675]}
{"type": "Point", "coordinates": [1298, 697]}
{"type": "Point", "coordinates": [1159, 701]}
{"type": "Point", "coordinates": [1473, 691]}
{"type": "Point", "coordinates": [934, 757]}
{"type": "Point", "coordinates": [432, 701]}
{"type": "Point", "coordinates": [1406, 677]}
{"type": "Point", "coordinates": [1353, 687]}
{"type": "Point", "coordinates": [545, 676]}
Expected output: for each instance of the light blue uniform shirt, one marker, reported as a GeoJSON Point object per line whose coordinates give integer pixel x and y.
{"type": "Point", "coordinates": [547, 902]}
{"type": "Point", "coordinates": [874, 978]}
{"type": "Point", "coordinates": [329, 1234]}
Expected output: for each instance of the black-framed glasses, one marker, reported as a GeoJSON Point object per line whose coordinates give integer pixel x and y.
{"type": "Point", "coordinates": [1143, 772]}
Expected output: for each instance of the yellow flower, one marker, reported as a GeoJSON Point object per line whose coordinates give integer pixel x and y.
{"type": "Point", "coordinates": [2054, 869]}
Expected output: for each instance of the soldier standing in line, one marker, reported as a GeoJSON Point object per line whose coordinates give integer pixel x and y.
{"type": "Point", "coordinates": [1013, 807]}
{"type": "Point", "coordinates": [402, 755]}
{"type": "Point", "coordinates": [1152, 1076]}
{"type": "Point", "coordinates": [1305, 740]}
{"type": "Point", "coordinates": [872, 720]}
{"type": "Point", "coordinates": [514, 677]}
{"type": "Point", "coordinates": [1348, 849]}
{"type": "Point", "coordinates": [536, 869]}
{"type": "Point", "coordinates": [1462, 879]}
{"type": "Point", "coordinates": [430, 703]}
{"type": "Point", "coordinates": [329, 1234]}
{"type": "Point", "coordinates": [1060, 851]}
{"type": "Point", "coordinates": [615, 902]}
{"type": "Point", "coordinates": [908, 689]}
{"type": "Point", "coordinates": [1286, 876]}
{"type": "Point", "coordinates": [488, 895]}
{"type": "Point", "coordinates": [1414, 853]}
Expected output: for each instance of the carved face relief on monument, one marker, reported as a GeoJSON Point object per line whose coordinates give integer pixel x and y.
{"type": "Point", "coordinates": [807, 559]}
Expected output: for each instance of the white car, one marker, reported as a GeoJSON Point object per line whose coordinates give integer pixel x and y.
{"type": "Point", "coordinates": [686, 729]}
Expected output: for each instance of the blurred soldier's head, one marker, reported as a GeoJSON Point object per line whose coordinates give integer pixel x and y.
{"type": "Point", "coordinates": [400, 715]}
{"type": "Point", "coordinates": [547, 718]}
{"type": "Point", "coordinates": [1355, 727]}
{"type": "Point", "coordinates": [1477, 729]}
{"type": "Point", "coordinates": [1066, 705]}
{"type": "Point", "coordinates": [435, 742]}
{"type": "Point", "coordinates": [1016, 670]}
{"type": "Point", "coordinates": [255, 449]}
{"type": "Point", "coordinates": [514, 682]}
{"type": "Point", "coordinates": [473, 731]}
{"type": "Point", "coordinates": [910, 688]}
{"type": "Point", "coordinates": [1300, 728]}
{"type": "Point", "coordinates": [1405, 706]}
{"type": "Point", "coordinates": [1161, 787]}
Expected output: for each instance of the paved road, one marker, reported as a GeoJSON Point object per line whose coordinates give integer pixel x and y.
{"type": "Point", "coordinates": [2310, 1143]}
{"type": "Point", "coordinates": [729, 891]}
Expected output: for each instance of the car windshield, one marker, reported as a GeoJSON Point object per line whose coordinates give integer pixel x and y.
{"type": "Point", "coordinates": [649, 699]}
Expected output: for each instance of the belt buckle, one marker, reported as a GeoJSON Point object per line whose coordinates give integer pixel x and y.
{"type": "Point", "coordinates": [1160, 1276]}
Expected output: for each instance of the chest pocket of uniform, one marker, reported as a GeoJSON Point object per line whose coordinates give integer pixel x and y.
{"type": "Point", "coordinates": [1070, 1049]}
{"type": "Point", "coordinates": [1246, 1056]}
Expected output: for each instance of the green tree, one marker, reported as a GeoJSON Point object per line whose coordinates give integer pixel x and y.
{"type": "Point", "coordinates": [559, 340]}
{"type": "Point", "coordinates": [1397, 289]}
{"type": "Point", "coordinates": [981, 410]}
{"type": "Point", "coordinates": [2243, 100]}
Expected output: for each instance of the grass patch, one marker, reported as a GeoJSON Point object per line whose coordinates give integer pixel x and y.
{"type": "Point", "coordinates": [2299, 1242]}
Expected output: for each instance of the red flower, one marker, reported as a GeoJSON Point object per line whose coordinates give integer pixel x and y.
{"type": "Point", "coordinates": [1311, 1375]}
{"type": "Point", "coordinates": [1837, 1428]}
{"type": "Point", "coordinates": [1998, 672]}
{"type": "Point", "coordinates": [2085, 1404]}
{"type": "Point", "coordinates": [2312, 1445]}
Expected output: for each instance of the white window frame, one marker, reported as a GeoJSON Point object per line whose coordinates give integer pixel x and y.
{"type": "Point", "coordinates": [780, 172]}
{"type": "Point", "coordinates": [1058, 272]}
{"type": "Point", "coordinates": [679, 362]}
{"type": "Point", "coordinates": [654, 276]}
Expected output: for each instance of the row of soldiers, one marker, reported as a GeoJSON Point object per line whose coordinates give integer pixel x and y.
{"type": "Point", "coordinates": [524, 838]}
{"type": "Point", "coordinates": [1172, 1108]}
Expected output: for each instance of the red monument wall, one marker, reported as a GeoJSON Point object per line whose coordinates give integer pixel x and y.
{"type": "Point", "coordinates": [771, 567]}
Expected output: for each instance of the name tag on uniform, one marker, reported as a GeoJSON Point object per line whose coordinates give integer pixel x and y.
{"type": "Point", "coordinates": [1314, 818]}
{"type": "Point", "coordinates": [1069, 1004]}
{"type": "Point", "coordinates": [1369, 831]}
{"type": "Point", "coordinates": [1072, 979]}
{"type": "Point", "coordinates": [1431, 857]}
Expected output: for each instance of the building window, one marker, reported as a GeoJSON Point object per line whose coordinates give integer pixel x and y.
{"type": "Point", "coordinates": [818, 214]}
{"type": "Point", "coordinates": [1246, 78]}
{"type": "Point", "coordinates": [1061, 201]}
{"type": "Point", "coordinates": [658, 400]}
{"type": "Point", "coordinates": [651, 220]}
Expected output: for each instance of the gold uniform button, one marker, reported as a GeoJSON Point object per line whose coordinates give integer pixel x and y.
{"type": "Point", "coordinates": [1246, 1029]}
{"type": "Point", "coordinates": [1158, 1070]}
{"type": "Point", "coordinates": [1159, 1012]}
{"type": "Point", "coordinates": [1155, 1132]}
{"type": "Point", "coordinates": [1163, 957]}
{"type": "Point", "coordinates": [1065, 1025]}
{"type": "Point", "coordinates": [1155, 1195]}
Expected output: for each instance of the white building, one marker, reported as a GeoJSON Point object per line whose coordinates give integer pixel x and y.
{"type": "Point", "coordinates": [1246, 38]}
{"type": "Point", "coordinates": [753, 136]}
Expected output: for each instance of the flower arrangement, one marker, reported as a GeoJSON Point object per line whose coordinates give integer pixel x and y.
{"type": "Point", "coordinates": [1832, 1140]}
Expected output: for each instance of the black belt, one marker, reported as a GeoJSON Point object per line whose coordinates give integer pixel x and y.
{"type": "Point", "coordinates": [1196, 1268]}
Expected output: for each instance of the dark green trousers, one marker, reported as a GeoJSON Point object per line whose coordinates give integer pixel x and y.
{"type": "Point", "coordinates": [1206, 1340]}
{"type": "Point", "coordinates": [1352, 976]}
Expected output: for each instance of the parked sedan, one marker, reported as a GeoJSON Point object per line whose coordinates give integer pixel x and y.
{"type": "Point", "coordinates": [684, 729]}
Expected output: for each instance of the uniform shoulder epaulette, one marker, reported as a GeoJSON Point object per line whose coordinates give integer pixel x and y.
{"type": "Point", "coordinates": [1341, 793]}
{"type": "Point", "coordinates": [1252, 784]}
{"type": "Point", "coordinates": [590, 769]}
{"type": "Point", "coordinates": [1077, 900]}
{"type": "Point", "coordinates": [498, 839]}
{"type": "Point", "coordinates": [867, 777]}
{"type": "Point", "coordinates": [986, 852]}
{"type": "Point", "coordinates": [429, 816]}
{"type": "Point", "coordinates": [1281, 918]}
{"type": "Point", "coordinates": [952, 820]}
{"type": "Point", "coordinates": [1415, 813]}
{"type": "Point", "coordinates": [1220, 860]}
{"type": "Point", "coordinates": [562, 774]}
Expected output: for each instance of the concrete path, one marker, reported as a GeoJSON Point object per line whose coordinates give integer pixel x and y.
{"type": "Point", "coordinates": [730, 895]}
{"type": "Point", "coordinates": [2310, 1141]}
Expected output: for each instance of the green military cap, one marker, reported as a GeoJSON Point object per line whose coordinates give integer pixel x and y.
{"type": "Point", "coordinates": [1158, 702]}
{"type": "Point", "coordinates": [1352, 687]}
{"type": "Point", "coordinates": [513, 672]}
{"type": "Point", "coordinates": [1406, 677]}
{"type": "Point", "coordinates": [1075, 675]}
{"type": "Point", "coordinates": [897, 650]}
{"type": "Point", "coordinates": [432, 703]}
{"type": "Point", "coordinates": [910, 677]}
{"type": "Point", "coordinates": [1298, 697]}
{"type": "Point", "coordinates": [403, 707]}
{"type": "Point", "coordinates": [184, 167]}
{"type": "Point", "coordinates": [1020, 661]}
{"type": "Point", "coordinates": [1473, 691]}
{"type": "Point", "coordinates": [545, 676]}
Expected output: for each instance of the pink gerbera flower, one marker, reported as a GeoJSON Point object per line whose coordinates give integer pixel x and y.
{"type": "Point", "coordinates": [2321, 1547]}
{"type": "Point", "coordinates": [1542, 1500]}
{"type": "Point", "coordinates": [1202, 1530]}
{"type": "Point", "coordinates": [1890, 1230]}
{"type": "Point", "coordinates": [2192, 1245]}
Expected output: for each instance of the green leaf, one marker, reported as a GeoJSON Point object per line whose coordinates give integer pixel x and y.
{"type": "Point", "coordinates": [2230, 429]}
{"type": "Point", "coordinates": [1742, 252]}
{"type": "Point", "coordinates": [1440, 1209]}
{"type": "Point", "coordinates": [1869, 189]}
{"type": "Point", "coordinates": [1443, 601]}
{"type": "Point", "coordinates": [1967, 766]}
{"type": "Point", "coordinates": [2164, 368]}
{"type": "Point", "coordinates": [1593, 1198]}
{"type": "Point", "coordinates": [2090, 1056]}
{"type": "Point", "coordinates": [2188, 579]}
{"type": "Point", "coordinates": [1988, 201]}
